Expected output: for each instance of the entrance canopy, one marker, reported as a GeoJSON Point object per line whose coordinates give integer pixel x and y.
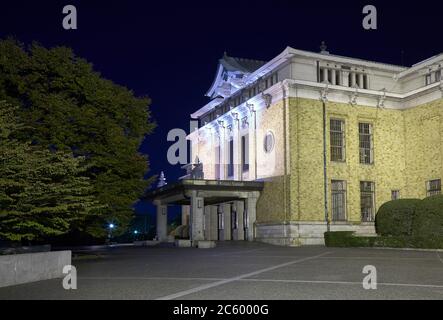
{"type": "Point", "coordinates": [205, 198]}
{"type": "Point", "coordinates": [213, 191]}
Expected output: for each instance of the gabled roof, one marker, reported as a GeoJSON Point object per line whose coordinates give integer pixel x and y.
{"type": "Point", "coordinates": [232, 64]}
{"type": "Point", "coordinates": [240, 64]}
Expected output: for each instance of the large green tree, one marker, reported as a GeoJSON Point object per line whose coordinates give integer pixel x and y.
{"type": "Point", "coordinates": [68, 106]}
{"type": "Point", "coordinates": [42, 192]}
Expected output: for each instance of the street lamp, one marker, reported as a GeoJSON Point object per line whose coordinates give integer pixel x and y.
{"type": "Point", "coordinates": [111, 226]}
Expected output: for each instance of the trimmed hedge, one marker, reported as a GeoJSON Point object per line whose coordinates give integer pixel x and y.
{"type": "Point", "coordinates": [395, 218]}
{"type": "Point", "coordinates": [428, 221]}
{"type": "Point", "coordinates": [348, 239]}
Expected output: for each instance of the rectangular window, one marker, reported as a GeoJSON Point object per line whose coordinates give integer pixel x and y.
{"type": "Point", "coordinates": [357, 80]}
{"type": "Point", "coordinates": [231, 159]}
{"type": "Point", "coordinates": [395, 194]}
{"type": "Point", "coordinates": [365, 82]}
{"type": "Point", "coordinates": [366, 144]}
{"type": "Point", "coordinates": [337, 77]}
{"type": "Point", "coordinates": [322, 74]}
{"type": "Point", "coordinates": [329, 75]}
{"type": "Point", "coordinates": [338, 190]}
{"type": "Point", "coordinates": [337, 138]}
{"type": "Point", "coordinates": [433, 187]}
{"type": "Point", "coordinates": [367, 201]}
{"type": "Point", "coordinates": [217, 163]}
{"type": "Point", "coordinates": [245, 152]}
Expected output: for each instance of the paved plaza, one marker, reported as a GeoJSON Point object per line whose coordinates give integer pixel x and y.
{"type": "Point", "coordinates": [242, 271]}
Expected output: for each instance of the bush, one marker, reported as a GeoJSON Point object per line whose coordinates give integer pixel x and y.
{"type": "Point", "coordinates": [395, 218]}
{"type": "Point", "coordinates": [348, 239]}
{"type": "Point", "coordinates": [428, 221]}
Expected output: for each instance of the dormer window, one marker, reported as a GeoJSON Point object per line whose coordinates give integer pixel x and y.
{"type": "Point", "coordinates": [438, 75]}
{"type": "Point", "coordinates": [432, 77]}
{"type": "Point", "coordinates": [428, 79]}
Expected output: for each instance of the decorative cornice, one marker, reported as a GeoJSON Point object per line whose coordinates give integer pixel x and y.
{"type": "Point", "coordinates": [267, 98]}
{"type": "Point", "coordinates": [251, 107]}
{"type": "Point", "coordinates": [381, 99]}
{"type": "Point", "coordinates": [324, 94]}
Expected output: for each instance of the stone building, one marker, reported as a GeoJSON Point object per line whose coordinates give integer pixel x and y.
{"type": "Point", "coordinates": [310, 142]}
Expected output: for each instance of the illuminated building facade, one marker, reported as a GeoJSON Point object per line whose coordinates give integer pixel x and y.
{"type": "Point", "coordinates": [330, 139]}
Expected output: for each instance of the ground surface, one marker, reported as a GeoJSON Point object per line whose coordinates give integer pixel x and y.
{"type": "Point", "coordinates": [241, 271]}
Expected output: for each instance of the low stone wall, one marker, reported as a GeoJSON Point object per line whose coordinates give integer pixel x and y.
{"type": "Point", "coordinates": [30, 267]}
{"type": "Point", "coordinates": [20, 250]}
{"type": "Point", "coordinates": [300, 233]}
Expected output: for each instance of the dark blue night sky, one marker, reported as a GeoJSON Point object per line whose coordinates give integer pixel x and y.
{"type": "Point", "coordinates": [168, 50]}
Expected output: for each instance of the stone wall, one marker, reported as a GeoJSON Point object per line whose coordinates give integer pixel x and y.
{"type": "Point", "coordinates": [30, 267]}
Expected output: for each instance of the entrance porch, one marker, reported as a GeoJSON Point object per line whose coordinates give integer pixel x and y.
{"type": "Point", "coordinates": [218, 209]}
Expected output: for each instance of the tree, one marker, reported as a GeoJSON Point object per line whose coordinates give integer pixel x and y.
{"type": "Point", "coordinates": [67, 106]}
{"type": "Point", "coordinates": [42, 193]}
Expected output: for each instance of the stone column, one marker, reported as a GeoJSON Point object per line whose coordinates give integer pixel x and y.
{"type": "Point", "coordinates": [213, 223]}
{"type": "Point", "coordinates": [333, 76]}
{"type": "Point", "coordinates": [251, 207]}
{"type": "Point", "coordinates": [240, 217]}
{"type": "Point", "coordinates": [325, 75]}
{"type": "Point", "coordinates": [197, 211]}
{"type": "Point", "coordinates": [227, 220]}
{"type": "Point", "coordinates": [185, 215]}
{"type": "Point", "coordinates": [207, 223]}
{"type": "Point", "coordinates": [237, 148]}
{"type": "Point", "coordinates": [345, 78]}
{"type": "Point", "coordinates": [162, 221]}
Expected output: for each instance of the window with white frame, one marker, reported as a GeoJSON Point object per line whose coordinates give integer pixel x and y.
{"type": "Point", "coordinates": [395, 194]}
{"type": "Point", "coordinates": [245, 153]}
{"type": "Point", "coordinates": [433, 187]}
{"type": "Point", "coordinates": [337, 140]}
{"type": "Point", "coordinates": [366, 143]}
{"type": "Point", "coordinates": [217, 161]}
{"type": "Point", "coordinates": [231, 158]}
{"type": "Point", "coordinates": [338, 199]}
{"type": "Point", "coordinates": [367, 201]}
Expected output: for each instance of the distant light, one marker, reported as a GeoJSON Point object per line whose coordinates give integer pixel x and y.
{"type": "Point", "coordinates": [111, 226]}
{"type": "Point", "coordinates": [135, 232]}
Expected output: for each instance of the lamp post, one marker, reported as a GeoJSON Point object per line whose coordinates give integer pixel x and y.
{"type": "Point", "coordinates": [111, 226]}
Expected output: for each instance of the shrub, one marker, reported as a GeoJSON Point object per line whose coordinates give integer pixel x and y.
{"type": "Point", "coordinates": [428, 220]}
{"type": "Point", "coordinates": [338, 238]}
{"type": "Point", "coordinates": [347, 239]}
{"type": "Point", "coordinates": [395, 218]}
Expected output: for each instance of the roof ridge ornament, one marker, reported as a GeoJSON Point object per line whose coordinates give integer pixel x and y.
{"type": "Point", "coordinates": [323, 48]}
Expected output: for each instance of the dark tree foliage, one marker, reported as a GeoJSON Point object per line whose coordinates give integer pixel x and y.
{"type": "Point", "coordinates": [66, 106]}
{"type": "Point", "coordinates": [42, 193]}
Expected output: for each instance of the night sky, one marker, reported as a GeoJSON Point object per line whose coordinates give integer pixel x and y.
{"type": "Point", "coordinates": [169, 50]}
